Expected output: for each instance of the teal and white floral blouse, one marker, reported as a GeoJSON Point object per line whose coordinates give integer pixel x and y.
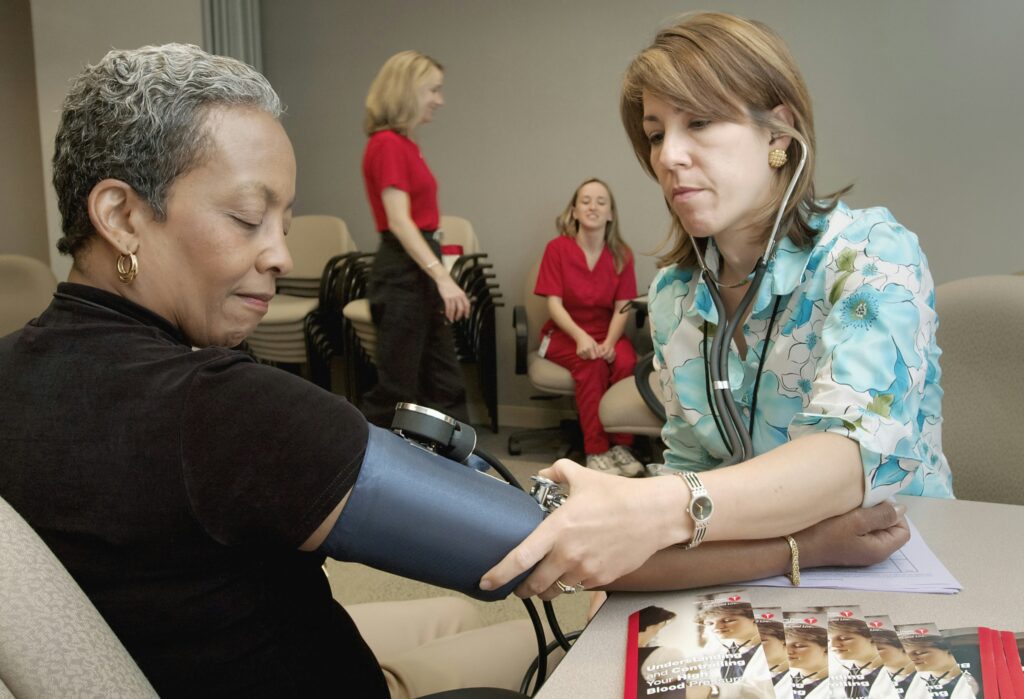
{"type": "Point", "coordinates": [852, 352]}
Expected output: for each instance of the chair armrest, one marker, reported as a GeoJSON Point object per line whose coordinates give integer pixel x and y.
{"type": "Point", "coordinates": [522, 341]}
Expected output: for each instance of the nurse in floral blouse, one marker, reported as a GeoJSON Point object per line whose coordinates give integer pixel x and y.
{"type": "Point", "coordinates": [834, 366]}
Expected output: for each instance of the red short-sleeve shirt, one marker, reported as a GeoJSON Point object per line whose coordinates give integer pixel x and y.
{"type": "Point", "coordinates": [393, 160]}
{"type": "Point", "coordinates": [589, 295]}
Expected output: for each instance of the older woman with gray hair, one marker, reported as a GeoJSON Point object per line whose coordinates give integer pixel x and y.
{"type": "Point", "coordinates": [191, 492]}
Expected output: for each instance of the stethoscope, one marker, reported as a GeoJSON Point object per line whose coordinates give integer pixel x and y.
{"type": "Point", "coordinates": [735, 434]}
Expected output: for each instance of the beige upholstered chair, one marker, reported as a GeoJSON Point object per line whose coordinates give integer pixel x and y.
{"type": "Point", "coordinates": [26, 287]}
{"type": "Point", "coordinates": [981, 326]}
{"type": "Point", "coordinates": [552, 380]}
{"type": "Point", "coordinates": [456, 230]}
{"type": "Point", "coordinates": [623, 409]}
{"type": "Point", "coordinates": [544, 374]}
{"type": "Point", "coordinates": [312, 241]}
{"type": "Point", "coordinates": [53, 642]}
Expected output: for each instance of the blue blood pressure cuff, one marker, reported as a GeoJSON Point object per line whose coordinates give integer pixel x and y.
{"type": "Point", "coordinates": [423, 516]}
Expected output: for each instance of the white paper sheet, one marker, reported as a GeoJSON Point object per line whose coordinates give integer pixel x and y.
{"type": "Point", "coordinates": [913, 568]}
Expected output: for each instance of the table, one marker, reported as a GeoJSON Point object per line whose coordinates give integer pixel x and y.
{"type": "Point", "coordinates": [977, 541]}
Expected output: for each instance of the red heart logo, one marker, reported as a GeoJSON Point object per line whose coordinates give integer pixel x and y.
{"type": "Point", "coordinates": [846, 613]}
{"type": "Point", "coordinates": [810, 620]}
{"type": "Point", "coordinates": [767, 615]}
{"type": "Point", "coordinates": [921, 631]}
{"type": "Point", "coordinates": [735, 598]}
{"type": "Point", "coordinates": [875, 624]}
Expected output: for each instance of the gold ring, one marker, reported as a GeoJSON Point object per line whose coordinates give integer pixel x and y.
{"type": "Point", "coordinates": [569, 589]}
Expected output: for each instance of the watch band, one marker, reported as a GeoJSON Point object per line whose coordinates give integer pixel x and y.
{"type": "Point", "coordinates": [700, 508]}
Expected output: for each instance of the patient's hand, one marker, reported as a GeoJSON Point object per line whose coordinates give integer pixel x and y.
{"type": "Point", "coordinates": [861, 537]}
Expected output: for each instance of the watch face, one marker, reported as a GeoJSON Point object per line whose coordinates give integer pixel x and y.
{"type": "Point", "coordinates": [701, 508]}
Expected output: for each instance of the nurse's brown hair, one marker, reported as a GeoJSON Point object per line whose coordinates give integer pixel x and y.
{"type": "Point", "coordinates": [725, 68]}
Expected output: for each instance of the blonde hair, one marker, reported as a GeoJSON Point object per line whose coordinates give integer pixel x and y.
{"type": "Point", "coordinates": [392, 102]}
{"type": "Point", "coordinates": [726, 68]}
{"type": "Point", "coordinates": [567, 225]}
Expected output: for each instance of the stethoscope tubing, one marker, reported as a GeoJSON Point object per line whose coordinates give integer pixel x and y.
{"type": "Point", "coordinates": [738, 438]}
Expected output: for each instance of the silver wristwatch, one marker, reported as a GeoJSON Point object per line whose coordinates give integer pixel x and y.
{"type": "Point", "coordinates": [700, 509]}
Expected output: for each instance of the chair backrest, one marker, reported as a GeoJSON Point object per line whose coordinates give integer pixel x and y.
{"type": "Point", "coordinates": [26, 287]}
{"type": "Point", "coordinates": [313, 240]}
{"type": "Point", "coordinates": [53, 642]}
{"type": "Point", "coordinates": [456, 230]}
{"type": "Point", "coordinates": [536, 309]}
{"type": "Point", "coordinates": [981, 323]}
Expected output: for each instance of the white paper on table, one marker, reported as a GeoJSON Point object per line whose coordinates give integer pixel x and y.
{"type": "Point", "coordinates": [913, 568]}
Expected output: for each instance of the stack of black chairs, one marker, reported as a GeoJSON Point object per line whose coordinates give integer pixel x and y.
{"type": "Point", "coordinates": [332, 334]}
{"type": "Point", "coordinates": [475, 336]}
{"type": "Point", "coordinates": [343, 279]}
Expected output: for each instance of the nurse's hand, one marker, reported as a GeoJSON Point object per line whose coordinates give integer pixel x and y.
{"type": "Point", "coordinates": [456, 303]}
{"type": "Point", "coordinates": [608, 526]}
{"type": "Point", "coordinates": [587, 347]}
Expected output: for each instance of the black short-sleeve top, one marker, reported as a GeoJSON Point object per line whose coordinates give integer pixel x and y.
{"type": "Point", "coordinates": [176, 484]}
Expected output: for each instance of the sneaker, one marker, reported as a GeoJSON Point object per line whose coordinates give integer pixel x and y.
{"type": "Point", "coordinates": [626, 462]}
{"type": "Point", "coordinates": [603, 463]}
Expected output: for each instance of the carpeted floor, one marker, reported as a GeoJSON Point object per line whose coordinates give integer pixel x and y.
{"type": "Point", "coordinates": [352, 583]}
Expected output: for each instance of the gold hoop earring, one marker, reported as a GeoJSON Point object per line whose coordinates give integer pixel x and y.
{"type": "Point", "coordinates": [777, 158]}
{"type": "Point", "coordinates": [127, 267]}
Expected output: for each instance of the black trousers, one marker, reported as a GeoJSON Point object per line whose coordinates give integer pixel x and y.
{"type": "Point", "coordinates": [416, 360]}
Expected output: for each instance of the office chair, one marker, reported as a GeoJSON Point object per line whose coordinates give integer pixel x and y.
{"type": "Point", "coordinates": [552, 380]}
{"type": "Point", "coordinates": [633, 405]}
{"type": "Point", "coordinates": [26, 287]}
{"type": "Point", "coordinates": [53, 642]}
{"type": "Point", "coordinates": [312, 241]}
{"type": "Point", "coordinates": [981, 321]}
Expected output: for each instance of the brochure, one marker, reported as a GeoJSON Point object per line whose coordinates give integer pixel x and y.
{"type": "Point", "coordinates": [895, 659]}
{"type": "Point", "coordinates": [727, 647]}
{"type": "Point", "coordinates": [1012, 645]}
{"type": "Point", "coordinates": [713, 651]}
{"type": "Point", "coordinates": [807, 651]}
{"type": "Point", "coordinates": [948, 663]}
{"type": "Point", "coordinates": [773, 643]}
{"type": "Point", "coordinates": [855, 667]}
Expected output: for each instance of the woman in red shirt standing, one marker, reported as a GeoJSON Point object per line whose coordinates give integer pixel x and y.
{"type": "Point", "coordinates": [587, 276]}
{"type": "Point", "coordinates": [412, 296]}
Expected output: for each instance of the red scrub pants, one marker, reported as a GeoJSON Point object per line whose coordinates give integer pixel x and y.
{"type": "Point", "coordinates": [593, 377]}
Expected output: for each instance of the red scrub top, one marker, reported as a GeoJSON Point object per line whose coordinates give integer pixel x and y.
{"type": "Point", "coordinates": [588, 295]}
{"type": "Point", "coordinates": [392, 160]}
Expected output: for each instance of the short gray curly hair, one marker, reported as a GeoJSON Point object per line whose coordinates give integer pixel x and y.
{"type": "Point", "coordinates": [139, 116]}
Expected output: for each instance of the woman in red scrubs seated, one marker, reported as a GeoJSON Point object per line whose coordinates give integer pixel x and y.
{"type": "Point", "coordinates": [587, 276]}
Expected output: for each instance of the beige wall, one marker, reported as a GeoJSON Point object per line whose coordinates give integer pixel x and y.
{"type": "Point", "coordinates": [23, 225]}
{"type": "Point", "coordinates": [68, 34]}
{"type": "Point", "coordinates": [918, 104]}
